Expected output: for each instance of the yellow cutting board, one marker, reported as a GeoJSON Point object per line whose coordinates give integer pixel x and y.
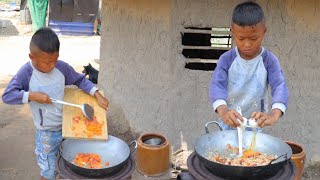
{"type": "Point", "coordinates": [74, 123]}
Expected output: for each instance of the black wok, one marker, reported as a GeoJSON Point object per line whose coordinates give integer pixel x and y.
{"type": "Point", "coordinates": [218, 141]}
{"type": "Point", "coordinates": [114, 150]}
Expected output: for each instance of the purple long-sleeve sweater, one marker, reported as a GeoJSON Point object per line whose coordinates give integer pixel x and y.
{"type": "Point", "coordinates": [28, 79]}
{"type": "Point", "coordinates": [238, 82]}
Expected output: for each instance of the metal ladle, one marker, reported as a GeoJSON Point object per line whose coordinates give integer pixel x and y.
{"type": "Point", "coordinates": [87, 110]}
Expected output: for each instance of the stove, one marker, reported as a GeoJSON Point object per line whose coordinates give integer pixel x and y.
{"type": "Point", "coordinates": [197, 171]}
{"type": "Point", "coordinates": [64, 172]}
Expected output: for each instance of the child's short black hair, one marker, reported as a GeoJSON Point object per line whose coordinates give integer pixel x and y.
{"type": "Point", "coordinates": [247, 14]}
{"type": "Point", "coordinates": [46, 40]}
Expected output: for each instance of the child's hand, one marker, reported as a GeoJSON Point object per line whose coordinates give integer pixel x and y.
{"type": "Point", "coordinates": [39, 97]}
{"type": "Point", "coordinates": [229, 116]}
{"type": "Point", "coordinates": [102, 101]}
{"type": "Point", "coordinates": [264, 119]}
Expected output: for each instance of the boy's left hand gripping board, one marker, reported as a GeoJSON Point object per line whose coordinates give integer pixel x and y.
{"type": "Point", "coordinates": [74, 123]}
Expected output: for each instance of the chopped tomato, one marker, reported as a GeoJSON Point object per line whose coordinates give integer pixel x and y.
{"type": "Point", "coordinates": [88, 160]}
{"type": "Point", "coordinates": [92, 127]}
{"type": "Point", "coordinates": [76, 119]}
{"type": "Point", "coordinates": [229, 146]}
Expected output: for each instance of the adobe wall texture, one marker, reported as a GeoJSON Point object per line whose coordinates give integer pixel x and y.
{"type": "Point", "coordinates": [142, 69]}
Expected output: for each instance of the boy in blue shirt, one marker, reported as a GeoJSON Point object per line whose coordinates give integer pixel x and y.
{"type": "Point", "coordinates": [37, 81]}
{"type": "Point", "coordinates": [244, 72]}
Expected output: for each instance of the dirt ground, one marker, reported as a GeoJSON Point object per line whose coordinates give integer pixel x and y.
{"type": "Point", "coordinates": [17, 160]}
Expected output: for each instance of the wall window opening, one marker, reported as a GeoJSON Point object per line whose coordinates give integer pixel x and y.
{"type": "Point", "coordinates": [202, 47]}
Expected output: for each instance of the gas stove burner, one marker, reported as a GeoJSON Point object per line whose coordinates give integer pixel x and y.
{"type": "Point", "coordinates": [64, 172]}
{"type": "Point", "coordinates": [198, 171]}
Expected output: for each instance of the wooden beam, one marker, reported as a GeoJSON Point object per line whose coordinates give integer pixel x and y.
{"type": "Point", "coordinates": [205, 47]}
{"type": "Point", "coordinates": [198, 60]}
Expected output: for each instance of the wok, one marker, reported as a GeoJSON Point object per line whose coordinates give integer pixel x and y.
{"type": "Point", "coordinates": [114, 150]}
{"type": "Point", "coordinates": [218, 141]}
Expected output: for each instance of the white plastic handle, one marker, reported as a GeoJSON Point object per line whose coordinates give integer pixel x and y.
{"type": "Point", "coordinates": [240, 138]}
{"type": "Point", "coordinates": [239, 110]}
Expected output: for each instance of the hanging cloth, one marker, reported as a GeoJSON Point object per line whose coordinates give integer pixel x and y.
{"type": "Point", "coordinates": [38, 11]}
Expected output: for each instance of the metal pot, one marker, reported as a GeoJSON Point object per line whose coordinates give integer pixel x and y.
{"type": "Point", "coordinates": [114, 150]}
{"type": "Point", "coordinates": [218, 141]}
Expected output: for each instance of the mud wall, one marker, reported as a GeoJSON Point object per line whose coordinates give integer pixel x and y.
{"type": "Point", "coordinates": [142, 69]}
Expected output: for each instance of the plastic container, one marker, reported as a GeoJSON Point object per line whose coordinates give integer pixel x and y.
{"type": "Point", "coordinates": [71, 28]}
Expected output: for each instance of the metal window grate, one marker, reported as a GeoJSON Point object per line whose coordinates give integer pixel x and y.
{"type": "Point", "coordinates": [202, 47]}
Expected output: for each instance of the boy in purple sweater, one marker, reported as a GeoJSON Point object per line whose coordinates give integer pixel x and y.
{"type": "Point", "coordinates": [42, 78]}
{"type": "Point", "coordinates": [243, 73]}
